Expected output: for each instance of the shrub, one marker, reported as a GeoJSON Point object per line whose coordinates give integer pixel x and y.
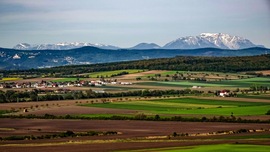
{"type": "Point", "coordinates": [157, 117]}
{"type": "Point", "coordinates": [140, 116]}
{"type": "Point", "coordinates": [15, 138]}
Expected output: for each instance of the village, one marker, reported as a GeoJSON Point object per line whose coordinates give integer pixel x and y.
{"type": "Point", "coordinates": [52, 84]}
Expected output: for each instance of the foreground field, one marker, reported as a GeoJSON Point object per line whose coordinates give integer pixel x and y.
{"type": "Point", "coordinates": [207, 148]}
{"type": "Point", "coordinates": [133, 134]}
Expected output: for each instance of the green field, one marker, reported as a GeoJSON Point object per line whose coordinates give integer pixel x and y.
{"type": "Point", "coordinates": [109, 73]}
{"type": "Point", "coordinates": [262, 136]}
{"type": "Point", "coordinates": [164, 73]}
{"type": "Point", "coordinates": [66, 79]}
{"type": "Point", "coordinates": [212, 148]}
{"type": "Point", "coordinates": [3, 112]}
{"type": "Point", "coordinates": [191, 106]}
{"type": "Point", "coordinates": [224, 83]}
{"type": "Point", "coordinates": [255, 96]}
{"type": "Point", "coordinates": [116, 88]}
{"type": "Point", "coordinates": [104, 115]}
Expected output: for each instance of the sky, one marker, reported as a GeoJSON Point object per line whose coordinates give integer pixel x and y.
{"type": "Point", "coordinates": [125, 23]}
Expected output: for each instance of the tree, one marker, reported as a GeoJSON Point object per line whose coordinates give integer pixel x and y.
{"type": "Point", "coordinates": [138, 78]}
{"type": "Point", "coordinates": [33, 96]}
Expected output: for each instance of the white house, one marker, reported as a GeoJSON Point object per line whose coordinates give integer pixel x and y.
{"type": "Point", "coordinates": [224, 93]}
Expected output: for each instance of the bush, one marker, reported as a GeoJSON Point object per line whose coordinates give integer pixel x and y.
{"type": "Point", "coordinates": [157, 117]}
{"type": "Point", "coordinates": [140, 116]}
{"type": "Point", "coordinates": [15, 138]}
{"type": "Point", "coordinates": [268, 112]}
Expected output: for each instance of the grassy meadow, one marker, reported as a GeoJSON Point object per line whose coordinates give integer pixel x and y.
{"type": "Point", "coordinates": [191, 106]}
{"type": "Point", "coordinates": [239, 83]}
{"type": "Point", "coordinates": [109, 73]}
{"type": "Point", "coordinates": [212, 148]}
{"type": "Point", "coordinates": [66, 79]}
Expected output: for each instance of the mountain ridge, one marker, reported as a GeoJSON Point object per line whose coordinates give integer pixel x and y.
{"type": "Point", "coordinates": [213, 40]}
{"type": "Point", "coordinates": [204, 40]}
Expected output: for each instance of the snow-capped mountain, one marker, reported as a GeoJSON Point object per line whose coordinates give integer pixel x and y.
{"type": "Point", "coordinates": [61, 46]}
{"type": "Point", "coordinates": [210, 40]}
{"type": "Point", "coordinates": [145, 46]}
{"type": "Point", "coordinates": [204, 40]}
{"type": "Point", "coordinates": [22, 46]}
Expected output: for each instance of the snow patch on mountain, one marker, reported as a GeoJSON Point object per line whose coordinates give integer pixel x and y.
{"type": "Point", "coordinates": [212, 40]}
{"type": "Point", "coordinates": [61, 46]}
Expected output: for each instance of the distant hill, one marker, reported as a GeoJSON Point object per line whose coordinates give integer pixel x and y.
{"type": "Point", "coordinates": [27, 59]}
{"type": "Point", "coordinates": [145, 46]}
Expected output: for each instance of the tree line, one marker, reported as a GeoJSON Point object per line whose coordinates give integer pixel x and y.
{"type": "Point", "coordinates": [25, 96]}
{"type": "Point", "coordinates": [141, 116]}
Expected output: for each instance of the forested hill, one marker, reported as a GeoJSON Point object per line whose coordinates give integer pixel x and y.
{"type": "Point", "coordinates": [27, 59]}
{"type": "Point", "coordinates": [187, 63]}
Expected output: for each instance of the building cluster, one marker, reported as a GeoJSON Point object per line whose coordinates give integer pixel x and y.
{"type": "Point", "coordinates": [51, 84]}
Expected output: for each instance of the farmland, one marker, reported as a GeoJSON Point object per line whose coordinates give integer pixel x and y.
{"type": "Point", "coordinates": [207, 148]}
{"type": "Point", "coordinates": [66, 79]}
{"type": "Point", "coordinates": [108, 74]}
{"type": "Point", "coordinates": [191, 106]}
{"type": "Point", "coordinates": [225, 83]}
{"type": "Point", "coordinates": [9, 79]}
{"type": "Point", "coordinates": [151, 113]}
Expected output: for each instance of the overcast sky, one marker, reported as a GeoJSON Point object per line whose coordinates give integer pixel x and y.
{"type": "Point", "coordinates": [125, 23]}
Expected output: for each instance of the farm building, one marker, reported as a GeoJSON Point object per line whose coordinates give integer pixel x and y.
{"type": "Point", "coordinates": [224, 93]}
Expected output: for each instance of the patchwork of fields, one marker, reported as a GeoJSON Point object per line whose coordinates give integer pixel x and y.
{"type": "Point", "coordinates": [122, 114]}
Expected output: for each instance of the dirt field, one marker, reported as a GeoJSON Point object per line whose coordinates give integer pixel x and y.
{"type": "Point", "coordinates": [132, 134]}
{"type": "Point", "coordinates": [131, 130]}
{"type": "Point", "coordinates": [128, 128]}
{"type": "Point", "coordinates": [265, 72]}
{"type": "Point", "coordinates": [76, 110]}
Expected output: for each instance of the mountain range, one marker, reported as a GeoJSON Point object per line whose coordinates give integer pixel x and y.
{"type": "Point", "coordinates": [61, 46]}
{"type": "Point", "coordinates": [26, 56]}
{"type": "Point", "coordinates": [204, 40]}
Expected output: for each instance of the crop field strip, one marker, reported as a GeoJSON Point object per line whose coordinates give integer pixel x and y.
{"type": "Point", "coordinates": [207, 148]}
{"type": "Point", "coordinates": [10, 79]}
{"type": "Point", "coordinates": [224, 83]}
{"type": "Point", "coordinates": [191, 106]}
{"type": "Point", "coordinates": [109, 73]}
